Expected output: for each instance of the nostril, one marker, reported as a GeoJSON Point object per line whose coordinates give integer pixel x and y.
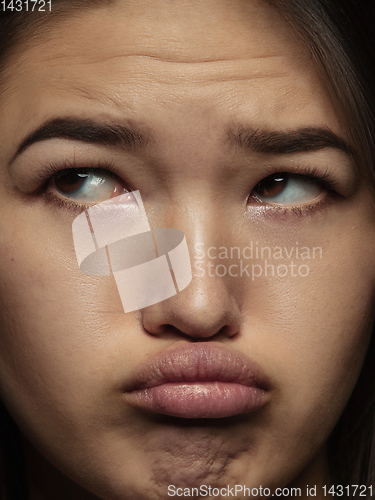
{"type": "Point", "coordinates": [179, 319]}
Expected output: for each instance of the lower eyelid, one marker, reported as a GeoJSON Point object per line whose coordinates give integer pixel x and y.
{"type": "Point", "coordinates": [301, 210]}
{"type": "Point", "coordinates": [59, 202]}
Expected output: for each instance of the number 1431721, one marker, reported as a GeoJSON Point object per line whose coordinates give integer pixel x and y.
{"type": "Point", "coordinates": [25, 5]}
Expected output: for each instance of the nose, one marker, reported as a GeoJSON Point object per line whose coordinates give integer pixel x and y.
{"type": "Point", "coordinates": [205, 309]}
{"type": "Point", "coordinates": [210, 306]}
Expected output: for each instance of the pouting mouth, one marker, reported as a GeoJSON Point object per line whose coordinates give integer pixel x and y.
{"type": "Point", "coordinates": [198, 362]}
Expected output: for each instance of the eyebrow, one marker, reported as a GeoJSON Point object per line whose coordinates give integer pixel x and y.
{"type": "Point", "coordinates": [130, 138]}
{"type": "Point", "coordinates": [107, 134]}
{"type": "Point", "coordinates": [280, 143]}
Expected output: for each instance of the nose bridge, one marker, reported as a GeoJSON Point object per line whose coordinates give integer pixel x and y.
{"type": "Point", "coordinates": [209, 305]}
{"type": "Point", "coordinates": [205, 222]}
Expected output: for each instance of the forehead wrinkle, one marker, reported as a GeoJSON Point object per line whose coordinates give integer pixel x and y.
{"type": "Point", "coordinates": [111, 98]}
{"type": "Point", "coordinates": [114, 93]}
{"type": "Point", "coordinates": [163, 45]}
{"type": "Point", "coordinates": [170, 57]}
{"type": "Point", "coordinates": [155, 70]}
{"type": "Point", "coordinates": [95, 95]}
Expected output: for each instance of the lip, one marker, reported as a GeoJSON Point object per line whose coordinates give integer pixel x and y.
{"type": "Point", "coordinates": [200, 380]}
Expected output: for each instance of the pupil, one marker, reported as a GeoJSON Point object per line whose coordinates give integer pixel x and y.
{"type": "Point", "coordinates": [70, 182]}
{"type": "Point", "coordinates": [272, 186]}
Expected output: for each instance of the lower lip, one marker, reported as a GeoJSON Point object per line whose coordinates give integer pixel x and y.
{"type": "Point", "coordinates": [199, 399]}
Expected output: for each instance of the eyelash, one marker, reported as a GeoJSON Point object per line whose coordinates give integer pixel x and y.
{"type": "Point", "coordinates": [308, 173]}
{"type": "Point", "coordinates": [53, 171]}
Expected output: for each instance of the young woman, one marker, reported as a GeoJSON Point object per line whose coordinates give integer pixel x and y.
{"type": "Point", "coordinates": [249, 126]}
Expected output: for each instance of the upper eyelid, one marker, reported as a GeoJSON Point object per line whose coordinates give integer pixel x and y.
{"type": "Point", "coordinates": [54, 170]}
{"type": "Point", "coordinates": [310, 173]}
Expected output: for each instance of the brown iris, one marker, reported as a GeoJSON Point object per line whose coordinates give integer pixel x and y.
{"type": "Point", "coordinates": [70, 182]}
{"type": "Point", "coordinates": [271, 186]}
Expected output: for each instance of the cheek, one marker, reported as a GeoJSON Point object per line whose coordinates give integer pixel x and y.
{"type": "Point", "coordinates": [55, 349]}
{"type": "Point", "coordinates": [313, 333]}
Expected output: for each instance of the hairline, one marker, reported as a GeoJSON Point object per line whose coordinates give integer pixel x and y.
{"type": "Point", "coordinates": [35, 28]}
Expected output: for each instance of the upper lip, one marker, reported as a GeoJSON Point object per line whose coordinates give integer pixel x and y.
{"type": "Point", "coordinates": [198, 362]}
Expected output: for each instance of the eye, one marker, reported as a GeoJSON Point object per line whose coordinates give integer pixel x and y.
{"type": "Point", "coordinates": [85, 186]}
{"type": "Point", "coordinates": [288, 189]}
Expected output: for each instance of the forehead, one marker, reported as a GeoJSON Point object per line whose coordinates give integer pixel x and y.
{"type": "Point", "coordinates": [232, 60]}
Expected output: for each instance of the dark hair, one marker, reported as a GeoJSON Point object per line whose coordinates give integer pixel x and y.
{"type": "Point", "coordinates": [341, 38]}
{"type": "Point", "coordinates": [340, 35]}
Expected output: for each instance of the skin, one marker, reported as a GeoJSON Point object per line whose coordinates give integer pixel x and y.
{"type": "Point", "coordinates": [66, 347]}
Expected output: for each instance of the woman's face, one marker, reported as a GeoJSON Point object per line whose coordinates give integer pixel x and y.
{"type": "Point", "coordinates": [217, 96]}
